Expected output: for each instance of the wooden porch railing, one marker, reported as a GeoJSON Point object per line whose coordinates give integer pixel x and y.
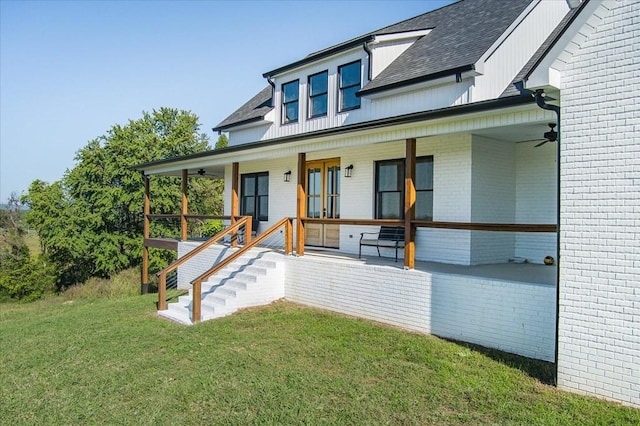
{"type": "Point", "coordinates": [162, 275]}
{"type": "Point", "coordinates": [196, 292]}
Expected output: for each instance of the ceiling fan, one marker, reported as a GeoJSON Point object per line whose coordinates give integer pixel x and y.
{"type": "Point", "coordinates": [550, 136]}
{"type": "Point", "coordinates": [203, 173]}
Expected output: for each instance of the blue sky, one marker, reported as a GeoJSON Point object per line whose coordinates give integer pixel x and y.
{"type": "Point", "coordinates": [69, 70]}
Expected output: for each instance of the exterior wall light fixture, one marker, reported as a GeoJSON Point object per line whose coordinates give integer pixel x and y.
{"type": "Point", "coordinates": [348, 171]}
{"type": "Point", "coordinates": [287, 176]}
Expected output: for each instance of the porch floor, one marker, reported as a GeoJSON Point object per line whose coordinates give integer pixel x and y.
{"type": "Point", "coordinates": [515, 272]}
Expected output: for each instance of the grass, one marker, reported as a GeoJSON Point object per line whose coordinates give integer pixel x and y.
{"type": "Point", "coordinates": [32, 240]}
{"type": "Point", "coordinates": [113, 361]}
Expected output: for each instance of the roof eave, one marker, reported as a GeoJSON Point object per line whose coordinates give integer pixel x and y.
{"type": "Point", "coordinates": [320, 55]}
{"type": "Point", "coordinates": [226, 127]}
{"type": "Point", "coordinates": [383, 122]}
{"type": "Point", "coordinates": [416, 80]}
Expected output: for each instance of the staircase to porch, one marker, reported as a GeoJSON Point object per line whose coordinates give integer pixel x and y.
{"type": "Point", "coordinates": [251, 275]}
{"type": "Point", "coordinates": [255, 279]}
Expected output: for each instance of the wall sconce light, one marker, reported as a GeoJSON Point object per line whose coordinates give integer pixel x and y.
{"type": "Point", "coordinates": [348, 171]}
{"type": "Point", "coordinates": [287, 176]}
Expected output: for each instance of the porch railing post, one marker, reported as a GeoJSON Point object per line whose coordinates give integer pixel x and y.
{"type": "Point", "coordinates": [144, 278]}
{"type": "Point", "coordinates": [235, 210]}
{"type": "Point", "coordinates": [184, 210]}
{"type": "Point", "coordinates": [409, 204]}
{"type": "Point", "coordinates": [301, 210]}
{"type": "Point", "coordinates": [162, 292]}
{"type": "Point", "coordinates": [288, 237]}
{"type": "Point", "coordinates": [196, 306]}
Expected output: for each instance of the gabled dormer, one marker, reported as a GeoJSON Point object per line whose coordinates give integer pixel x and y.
{"type": "Point", "coordinates": [465, 52]}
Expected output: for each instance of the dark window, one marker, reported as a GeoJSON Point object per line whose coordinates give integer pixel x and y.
{"type": "Point", "coordinates": [349, 78]}
{"type": "Point", "coordinates": [390, 189]}
{"type": "Point", "coordinates": [290, 102]}
{"type": "Point", "coordinates": [318, 94]}
{"type": "Point", "coordinates": [254, 198]}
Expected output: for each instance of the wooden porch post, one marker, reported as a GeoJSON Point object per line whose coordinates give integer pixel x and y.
{"type": "Point", "coordinates": [409, 204]}
{"type": "Point", "coordinates": [144, 285]}
{"type": "Point", "coordinates": [235, 210]}
{"type": "Point", "coordinates": [185, 207]}
{"type": "Point", "coordinates": [301, 204]}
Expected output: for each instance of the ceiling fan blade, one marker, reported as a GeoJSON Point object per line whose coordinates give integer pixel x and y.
{"type": "Point", "coordinates": [541, 143]}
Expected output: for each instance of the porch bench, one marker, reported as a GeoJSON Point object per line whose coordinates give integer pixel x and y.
{"type": "Point", "coordinates": [388, 236]}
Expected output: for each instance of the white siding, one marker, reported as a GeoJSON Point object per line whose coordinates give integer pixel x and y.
{"type": "Point", "coordinates": [385, 53]}
{"type": "Point", "coordinates": [599, 341]}
{"type": "Point", "coordinates": [510, 56]}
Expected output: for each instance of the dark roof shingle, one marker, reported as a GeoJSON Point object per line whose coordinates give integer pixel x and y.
{"type": "Point", "coordinates": [462, 32]}
{"type": "Point", "coordinates": [254, 110]}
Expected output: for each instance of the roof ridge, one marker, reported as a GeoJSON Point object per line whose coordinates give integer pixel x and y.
{"type": "Point", "coordinates": [379, 30]}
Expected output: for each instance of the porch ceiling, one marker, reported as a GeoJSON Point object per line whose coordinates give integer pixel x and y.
{"type": "Point", "coordinates": [517, 133]}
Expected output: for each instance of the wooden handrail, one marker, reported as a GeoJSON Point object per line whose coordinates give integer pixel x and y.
{"type": "Point", "coordinates": [196, 293]}
{"type": "Point", "coordinates": [162, 275]}
{"type": "Point", "coordinates": [189, 216]}
{"type": "Point", "coordinates": [478, 226]}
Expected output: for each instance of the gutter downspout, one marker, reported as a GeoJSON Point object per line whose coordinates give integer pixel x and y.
{"type": "Point", "coordinates": [273, 88]}
{"type": "Point", "coordinates": [542, 104]}
{"type": "Point", "coordinates": [365, 46]}
{"type": "Point", "coordinates": [539, 95]}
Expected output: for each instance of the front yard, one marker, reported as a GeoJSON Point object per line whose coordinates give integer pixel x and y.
{"type": "Point", "coordinates": [115, 362]}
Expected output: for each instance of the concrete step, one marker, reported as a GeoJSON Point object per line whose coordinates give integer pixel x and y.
{"type": "Point", "coordinates": [237, 285]}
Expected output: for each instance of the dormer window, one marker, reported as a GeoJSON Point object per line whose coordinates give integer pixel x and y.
{"type": "Point", "coordinates": [290, 96]}
{"type": "Point", "coordinates": [318, 84]}
{"type": "Point", "coordinates": [349, 78]}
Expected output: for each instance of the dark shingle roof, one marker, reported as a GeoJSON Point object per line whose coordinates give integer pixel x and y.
{"type": "Point", "coordinates": [460, 34]}
{"type": "Point", "coordinates": [253, 110]}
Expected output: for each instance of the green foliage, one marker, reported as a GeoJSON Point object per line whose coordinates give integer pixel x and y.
{"type": "Point", "coordinates": [222, 141]}
{"type": "Point", "coordinates": [21, 276]}
{"type": "Point", "coordinates": [211, 227]}
{"type": "Point", "coordinates": [90, 222]}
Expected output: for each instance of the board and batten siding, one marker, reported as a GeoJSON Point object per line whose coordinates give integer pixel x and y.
{"type": "Point", "coordinates": [509, 54]}
{"type": "Point", "coordinates": [599, 327]}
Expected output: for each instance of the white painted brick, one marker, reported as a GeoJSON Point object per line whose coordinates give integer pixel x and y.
{"type": "Point", "coordinates": [514, 317]}
{"type": "Point", "coordinates": [599, 232]}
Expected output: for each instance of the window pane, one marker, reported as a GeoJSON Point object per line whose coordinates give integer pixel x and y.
{"type": "Point", "coordinates": [313, 206]}
{"type": "Point", "coordinates": [349, 98]}
{"type": "Point", "coordinates": [263, 208]}
{"type": "Point", "coordinates": [318, 84]}
{"type": "Point", "coordinates": [263, 185]}
{"type": "Point", "coordinates": [291, 112]}
{"type": "Point", "coordinates": [389, 206]}
{"type": "Point", "coordinates": [290, 92]}
{"type": "Point", "coordinates": [388, 174]}
{"type": "Point", "coordinates": [318, 106]}
{"type": "Point", "coordinates": [424, 205]}
{"type": "Point", "coordinates": [424, 174]}
{"type": "Point", "coordinates": [350, 74]}
{"type": "Point", "coordinates": [248, 206]}
{"type": "Point", "coordinates": [249, 185]}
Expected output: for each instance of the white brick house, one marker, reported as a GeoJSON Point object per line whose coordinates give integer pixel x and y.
{"type": "Point", "coordinates": [330, 142]}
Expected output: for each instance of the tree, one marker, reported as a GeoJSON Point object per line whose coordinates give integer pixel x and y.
{"type": "Point", "coordinates": [90, 222]}
{"type": "Point", "coordinates": [21, 276]}
{"type": "Point", "coordinates": [222, 141]}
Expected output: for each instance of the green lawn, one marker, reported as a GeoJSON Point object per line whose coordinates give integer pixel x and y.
{"type": "Point", "coordinates": [115, 362]}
